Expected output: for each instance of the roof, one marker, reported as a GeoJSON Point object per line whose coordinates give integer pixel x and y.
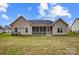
{"type": "Point", "coordinates": [7, 27]}
{"type": "Point", "coordinates": [18, 19]}
{"type": "Point", "coordinates": [40, 22]}
{"type": "Point", "coordinates": [75, 21]}
{"type": "Point", "coordinates": [1, 27]}
{"type": "Point", "coordinates": [48, 22]}
{"type": "Point", "coordinates": [60, 20]}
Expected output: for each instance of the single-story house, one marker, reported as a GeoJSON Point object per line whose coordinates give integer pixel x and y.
{"type": "Point", "coordinates": [7, 29]}
{"type": "Point", "coordinates": [1, 29]}
{"type": "Point", "coordinates": [75, 26]}
{"type": "Point", "coordinates": [30, 27]}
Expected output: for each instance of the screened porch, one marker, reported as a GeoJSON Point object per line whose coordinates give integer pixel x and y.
{"type": "Point", "coordinates": [42, 30]}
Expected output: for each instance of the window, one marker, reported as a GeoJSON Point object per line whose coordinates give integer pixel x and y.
{"type": "Point", "coordinates": [26, 29]}
{"type": "Point", "coordinates": [16, 30]}
{"type": "Point", "coordinates": [50, 29]}
{"type": "Point", "coordinates": [60, 30]}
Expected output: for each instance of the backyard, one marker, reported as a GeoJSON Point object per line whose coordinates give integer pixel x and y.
{"type": "Point", "coordinates": [38, 44]}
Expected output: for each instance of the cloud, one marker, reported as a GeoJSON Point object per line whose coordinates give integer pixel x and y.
{"type": "Point", "coordinates": [18, 15]}
{"type": "Point", "coordinates": [55, 10]}
{"type": "Point", "coordinates": [29, 8]}
{"type": "Point", "coordinates": [58, 10]}
{"type": "Point", "coordinates": [42, 8]}
{"type": "Point", "coordinates": [5, 16]}
{"type": "Point", "coordinates": [3, 7]}
{"type": "Point", "coordinates": [71, 22]}
{"type": "Point", "coordinates": [3, 10]}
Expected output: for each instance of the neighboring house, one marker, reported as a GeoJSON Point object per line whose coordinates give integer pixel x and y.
{"type": "Point", "coordinates": [7, 29]}
{"type": "Point", "coordinates": [75, 26]}
{"type": "Point", "coordinates": [30, 27]}
{"type": "Point", "coordinates": [1, 29]}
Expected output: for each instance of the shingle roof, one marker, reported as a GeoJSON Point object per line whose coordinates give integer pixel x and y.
{"type": "Point", "coordinates": [60, 20]}
{"type": "Point", "coordinates": [41, 22]}
{"type": "Point", "coordinates": [18, 19]}
{"type": "Point", "coordinates": [7, 27]}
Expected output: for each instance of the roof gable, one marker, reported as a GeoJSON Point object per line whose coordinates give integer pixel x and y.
{"type": "Point", "coordinates": [40, 22]}
{"type": "Point", "coordinates": [74, 21]}
{"type": "Point", "coordinates": [19, 19]}
{"type": "Point", "coordinates": [7, 27]}
{"type": "Point", "coordinates": [60, 20]}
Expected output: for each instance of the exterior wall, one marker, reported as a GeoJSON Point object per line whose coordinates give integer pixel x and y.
{"type": "Point", "coordinates": [7, 30]}
{"type": "Point", "coordinates": [21, 25]}
{"type": "Point", "coordinates": [60, 24]}
{"type": "Point", "coordinates": [75, 26]}
{"type": "Point", "coordinates": [1, 31]}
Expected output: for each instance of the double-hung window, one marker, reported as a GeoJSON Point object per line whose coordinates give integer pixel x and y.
{"type": "Point", "coordinates": [26, 30]}
{"type": "Point", "coordinates": [60, 30]}
{"type": "Point", "coordinates": [16, 29]}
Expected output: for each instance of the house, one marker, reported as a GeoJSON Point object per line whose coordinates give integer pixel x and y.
{"type": "Point", "coordinates": [1, 29]}
{"type": "Point", "coordinates": [75, 26]}
{"type": "Point", "coordinates": [7, 29]}
{"type": "Point", "coordinates": [29, 27]}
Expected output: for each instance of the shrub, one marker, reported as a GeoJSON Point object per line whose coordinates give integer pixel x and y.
{"type": "Point", "coordinates": [12, 34]}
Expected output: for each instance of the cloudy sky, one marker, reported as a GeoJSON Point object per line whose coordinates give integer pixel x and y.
{"type": "Point", "coordinates": [34, 11]}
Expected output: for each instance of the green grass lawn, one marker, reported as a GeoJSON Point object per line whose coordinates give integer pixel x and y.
{"type": "Point", "coordinates": [36, 45]}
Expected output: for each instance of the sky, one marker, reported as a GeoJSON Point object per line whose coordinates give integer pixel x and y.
{"type": "Point", "coordinates": [9, 12]}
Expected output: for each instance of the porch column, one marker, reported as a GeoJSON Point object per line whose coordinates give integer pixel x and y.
{"type": "Point", "coordinates": [41, 30]}
{"type": "Point", "coordinates": [46, 30]}
{"type": "Point", "coordinates": [35, 30]}
{"type": "Point", "coordinates": [49, 29]}
{"type": "Point", "coordinates": [38, 30]}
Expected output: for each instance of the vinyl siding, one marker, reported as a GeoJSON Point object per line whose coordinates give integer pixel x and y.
{"type": "Point", "coordinates": [21, 25]}
{"type": "Point", "coordinates": [75, 26]}
{"type": "Point", "coordinates": [60, 24]}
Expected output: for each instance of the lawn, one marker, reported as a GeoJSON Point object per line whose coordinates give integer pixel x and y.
{"type": "Point", "coordinates": [36, 45]}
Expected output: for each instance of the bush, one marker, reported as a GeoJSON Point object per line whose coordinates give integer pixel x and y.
{"type": "Point", "coordinates": [12, 34]}
{"type": "Point", "coordinates": [15, 34]}
{"type": "Point", "coordinates": [71, 33]}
